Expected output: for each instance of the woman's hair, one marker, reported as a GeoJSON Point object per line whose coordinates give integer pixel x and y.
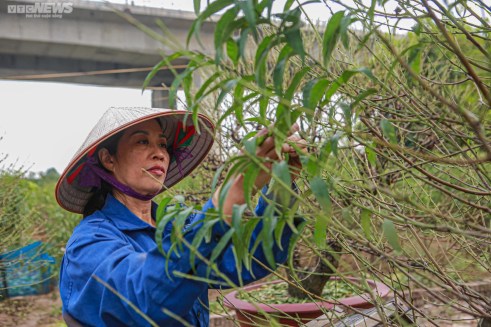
{"type": "Point", "coordinates": [98, 198]}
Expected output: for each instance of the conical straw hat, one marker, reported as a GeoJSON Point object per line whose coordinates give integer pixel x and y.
{"type": "Point", "coordinates": [73, 197]}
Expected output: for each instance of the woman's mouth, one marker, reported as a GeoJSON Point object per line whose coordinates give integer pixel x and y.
{"type": "Point", "coordinates": [156, 170]}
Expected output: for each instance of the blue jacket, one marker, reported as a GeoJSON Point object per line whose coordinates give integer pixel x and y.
{"type": "Point", "coordinates": [112, 269]}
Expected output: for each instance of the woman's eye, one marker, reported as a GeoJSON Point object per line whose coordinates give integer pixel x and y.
{"type": "Point", "coordinates": [163, 145]}
{"type": "Point", "coordinates": [143, 142]}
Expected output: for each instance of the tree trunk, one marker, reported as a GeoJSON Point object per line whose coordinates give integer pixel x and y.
{"type": "Point", "coordinates": [313, 279]}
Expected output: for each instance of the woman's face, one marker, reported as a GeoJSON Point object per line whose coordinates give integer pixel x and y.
{"type": "Point", "coordinates": [141, 160]}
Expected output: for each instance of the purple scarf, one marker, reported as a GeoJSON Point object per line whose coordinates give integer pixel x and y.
{"type": "Point", "coordinates": [92, 174]}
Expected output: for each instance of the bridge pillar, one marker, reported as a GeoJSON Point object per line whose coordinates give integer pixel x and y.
{"type": "Point", "coordinates": [160, 99]}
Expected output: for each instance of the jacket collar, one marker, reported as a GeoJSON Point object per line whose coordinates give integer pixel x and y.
{"type": "Point", "coordinates": [122, 217]}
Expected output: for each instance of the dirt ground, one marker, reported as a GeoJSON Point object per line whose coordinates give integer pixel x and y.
{"type": "Point", "coordinates": [443, 316]}
{"type": "Point", "coordinates": [32, 311]}
{"type": "Point", "coordinates": [45, 311]}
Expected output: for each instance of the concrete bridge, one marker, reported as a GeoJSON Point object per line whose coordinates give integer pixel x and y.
{"type": "Point", "coordinates": [85, 42]}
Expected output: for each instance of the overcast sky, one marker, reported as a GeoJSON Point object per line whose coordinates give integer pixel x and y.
{"type": "Point", "coordinates": [43, 124]}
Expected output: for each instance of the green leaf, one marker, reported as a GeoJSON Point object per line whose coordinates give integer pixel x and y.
{"type": "Point", "coordinates": [265, 4]}
{"type": "Point", "coordinates": [313, 92]}
{"type": "Point", "coordinates": [251, 134]}
{"type": "Point", "coordinates": [288, 4]}
{"type": "Point", "coordinates": [279, 69]}
{"type": "Point", "coordinates": [292, 32]}
{"type": "Point", "coordinates": [216, 177]}
{"type": "Point", "coordinates": [417, 28]}
{"type": "Point", "coordinates": [291, 247]}
{"type": "Point", "coordinates": [161, 208]}
{"type": "Point", "coordinates": [283, 121]}
{"type": "Point", "coordinates": [184, 79]}
{"type": "Point", "coordinates": [331, 36]}
{"type": "Point", "coordinates": [244, 35]}
{"type": "Point", "coordinates": [266, 235]}
{"type": "Point", "coordinates": [237, 251]}
{"type": "Point", "coordinates": [320, 189]}
{"type": "Point", "coordinates": [160, 230]}
{"type": "Point", "coordinates": [221, 30]}
{"type": "Point", "coordinates": [278, 232]}
{"type": "Point", "coordinates": [260, 73]}
{"type": "Point", "coordinates": [238, 103]}
{"type": "Point", "coordinates": [223, 194]}
{"type": "Point", "coordinates": [152, 73]}
{"type": "Point", "coordinates": [233, 51]}
{"type": "Point", "coordinates": [197, 6]}
{"type": "Point", "coordinates": [174, 87]}
{"type": "Point", "coordinates": [226, 114]}
{"type": "Point", "coordinates": [250, 146]}
{"type": "Point", "coordinates": [414, 59]}
{"type": "Point", "coordinates": [263, 107]}
{"type": "Point", "coordinates": [343, 30]}
{"type": "Point", "coordinates": [179, 198]}
{"type": "Point", "coordinates": [182, 216]}
{"type": "Point", "coordinates": [247, 235]}
{"type": "Point", "coordinates": [366, 225]}
{"type": "Point", "coordinates": [249, 11]}
{"type": "Point", "coordinates": [414, 51]}
{"type": "Point", "coordinates": [166, 61]}
{"type": "Point", "coordinates": [250, 176]}
{"type": "Point", "coordinates": [282, 172]}
{"type": "Point", "coordinates": [226, 88]}
{"type": "Point", "coordinates": [311, 164]}
{"type": "Point", "coordinates": [237, 213]}
{"type": "Point", "coordinates": [187, 82]}
{"type": "Point", "coordinates": [347, 113]}
{"type": "Point", "coordinates": [201, 91]}
{"type": "Point", "coordinates": [388, 130]}
{"type": "Point", "coordinates": [221, 244]}
{"type": "Point", "coordinates": [204, 233]}
{"type": "Point", "coordinates": [334, 143]}
{"type": "Point", "coordinates": [320, 230]}
{"type": "Point", "coordinates": [297, 79]}
{"type": "Point", "coordinates": [212, 8]}
{"type": "Point", "coordinates": [362, 97]}
{"type": "Point", "coordinates": [325, 152]}
{"type": "Point", "coordinates": [390, 234]}
{"type": "Point", "coordinates": [371, 154]}
{"type": "Point", "coordinates": [344, 78]}
{"type": "Point", "coordinates": [238, 165]}
{"type": "Point", "coordinates": [261, 58]}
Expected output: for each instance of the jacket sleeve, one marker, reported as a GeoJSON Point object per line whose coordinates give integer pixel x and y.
{"type": "Point", "coordinates": [104, 279]}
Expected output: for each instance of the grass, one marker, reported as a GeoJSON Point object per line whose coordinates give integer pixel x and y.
{"type": "Point", "coordinates": [278, 293]}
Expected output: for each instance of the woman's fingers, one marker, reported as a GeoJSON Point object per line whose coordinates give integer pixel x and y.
{"type": "Point", "coordinates": [294, 144]}
{"type": "Point", "coordinates": [295, 128]}
{"type": "Point", "coordinates": [266, 147]}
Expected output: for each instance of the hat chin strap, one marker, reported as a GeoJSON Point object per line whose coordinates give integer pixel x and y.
{"type": "Point", "coordinates": [92, 174]}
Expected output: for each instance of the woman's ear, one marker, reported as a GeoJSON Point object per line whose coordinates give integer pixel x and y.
{"type": "Point", "coordinates": [106, 159]}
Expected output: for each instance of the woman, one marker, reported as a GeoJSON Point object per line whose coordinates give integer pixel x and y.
{"type": "Point", "coordinates": [112, 272]}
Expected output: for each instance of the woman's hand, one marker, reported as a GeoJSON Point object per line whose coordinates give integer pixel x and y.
{"type": "Point", "coordinates": [293, 147]}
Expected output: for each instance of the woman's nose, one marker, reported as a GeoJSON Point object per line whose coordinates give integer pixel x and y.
{"type": "Point", "coordinates": [159, 152]}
